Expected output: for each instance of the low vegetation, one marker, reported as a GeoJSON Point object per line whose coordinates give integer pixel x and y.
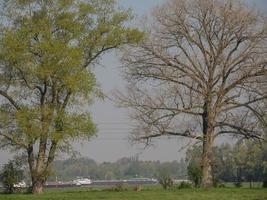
{"type": "Point", "coordinates": [11, 174]}
{"type": "Point", "coordinates": [153, 193]}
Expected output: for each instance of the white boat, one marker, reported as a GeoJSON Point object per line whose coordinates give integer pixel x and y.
{"type": "Point", "coordinates": [20, 184]}
{"type": "Point", "coordinates": [82, 181]}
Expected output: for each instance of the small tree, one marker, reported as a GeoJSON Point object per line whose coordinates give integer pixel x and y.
{"type": "Point", "coordinates": [193, 158]}
{"type": "Point", "coordinates": [194, 173]}
{"type": "Point", "coordinates": [164, 179]}
{"type": "Point", "coordinates": [166, 182]}
{"type": "Point", "coordinates": [11, 173]}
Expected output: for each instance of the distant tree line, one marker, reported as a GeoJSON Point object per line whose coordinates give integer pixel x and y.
{"type": "Point", "coordinates": [122, 169]}
{"type": "Point", "coordinates": [244, 161]}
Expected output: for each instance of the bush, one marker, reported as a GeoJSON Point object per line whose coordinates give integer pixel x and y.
{"type": "Point", "coordinates": [217, 183]}
{"type": "Point", "coordinates": [137, 188]}
{"type": "Point", "coordinates": [221, 185]}
{"type": "Point", "coordinates": [166, 182]}
{"type": "Point", "coordinates": [184, 185]}
{"type": "Point", "coordinates": [119, 188]}
{"type": "Point", "coordinates": [264, 184]}
{"type": "Point", "coordinates": [164, 178]}
{"type": "Point", "coordinates": [11, 174]}
{"type": "Point", "coordinates": [238, 184]}
{"type": "Point", "coordinates": [194, 173]}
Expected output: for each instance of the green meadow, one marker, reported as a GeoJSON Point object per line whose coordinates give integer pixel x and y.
{"type": "Point", "coordinates": [153, 193]}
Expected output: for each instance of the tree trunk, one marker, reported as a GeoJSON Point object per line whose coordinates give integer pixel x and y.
{"type": "Point", "coordinates": [207, 180]}
{"type": "Point", "coordinates": [208, 136]}
{"type": "Point", "coordinates": [40, 168]}
{"type": "Point", "coordinates": [37, 187]}
{"type": "Point", "coordinates": [35, 172]}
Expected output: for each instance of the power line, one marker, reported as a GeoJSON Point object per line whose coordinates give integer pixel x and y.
{"type": "Point", "coordinates": [120, 139]}
{"type": "Point", "coordinates": [115, 123]}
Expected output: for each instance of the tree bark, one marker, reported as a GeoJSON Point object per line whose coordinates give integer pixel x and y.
{"type": "Point", "coordinates": [208, 138]}
{"type": "Point", "coordinates": [37, 187]}
{"type": "Point", "coordinates": [38, 174]}
{"type": "Point", "coordinates": [207, 180]}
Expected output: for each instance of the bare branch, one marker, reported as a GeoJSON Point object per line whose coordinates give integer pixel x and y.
{"type": "Point", "coordinates": [10, 99]}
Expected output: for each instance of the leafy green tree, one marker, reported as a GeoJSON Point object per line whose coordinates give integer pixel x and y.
{"type": "Point", "coordinates": [11, 174]}
{"type": "Point", "coordinates": [47, 50]}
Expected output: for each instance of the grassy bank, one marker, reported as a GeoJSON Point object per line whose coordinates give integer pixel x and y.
{"type": "Point", "coordinates": [145, 194]}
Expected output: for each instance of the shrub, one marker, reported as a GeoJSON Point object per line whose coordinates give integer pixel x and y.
{"type": "Point", "coordinates": [194, 173]}
{"type": "Point", "coordinates": [119, 188]}
{"type": "Point", "coordinates": [11, 174]}
{"type": "Point", "coordinates": [264, 184]}
{"type": "Point", "coordinates": [238, 184]}
{"type": "Point", "coordinates": [184, 185]}
{"type": "Point", "coordinates": [166, 182]}
{"type": "Point", "coordinates": [221, 185]}
{"type": "Point", "coordinates": [215, 181]}
{"type": "Point", "coordinates": [137, 188]}
{"type": "Point", "coordinates": [164, 178]}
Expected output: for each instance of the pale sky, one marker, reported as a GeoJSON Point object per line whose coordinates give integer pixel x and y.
{"type": "Point", "coordinates": [113, 123]}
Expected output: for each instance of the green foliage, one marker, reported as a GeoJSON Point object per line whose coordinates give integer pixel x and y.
{"type": "Point", "coordinates": [194, 173]}
{"type": "Point", "coordinates": [120, 188]}
{"type": "Point", "coordinates": [164, 179]}
{"type": "Point", "coordinates": [166, 182]}
{"type": "Point", "coordinates": [137, 188]}
{"type": "Point", "coordinates": [47, 51]}
{"type": "Point", "coordinates": [221, 185]}
{"type": "Point", "coordinates": [11, 173]}
{"type": "Point", "coordinates": [264, 185]}
{"type": "Point", "coordinates": [193, 158]}
{"type": "Point", "coordinates": [184, 185]}
{"type": "Point", "coordinates": [238, 184]}
{"type": "Point", "coordinates": [244, 161]}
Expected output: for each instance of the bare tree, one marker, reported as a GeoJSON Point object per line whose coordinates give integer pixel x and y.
{"type": "Point", "coordinates": [200, 73]}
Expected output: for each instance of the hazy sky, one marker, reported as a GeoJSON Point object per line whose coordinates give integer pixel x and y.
{"type": "Point", "coordinates": [113, 123]}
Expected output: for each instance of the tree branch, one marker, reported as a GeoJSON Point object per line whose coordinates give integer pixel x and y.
{"type": "Point", "coordinates": [10, 99]}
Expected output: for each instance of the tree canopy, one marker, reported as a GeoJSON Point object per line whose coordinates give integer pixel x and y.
{"type": "Point", "coordinates": [47, 51]}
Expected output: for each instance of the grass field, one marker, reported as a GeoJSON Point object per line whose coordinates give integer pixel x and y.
{"type": "Point", "coordinates": [145, 194]}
